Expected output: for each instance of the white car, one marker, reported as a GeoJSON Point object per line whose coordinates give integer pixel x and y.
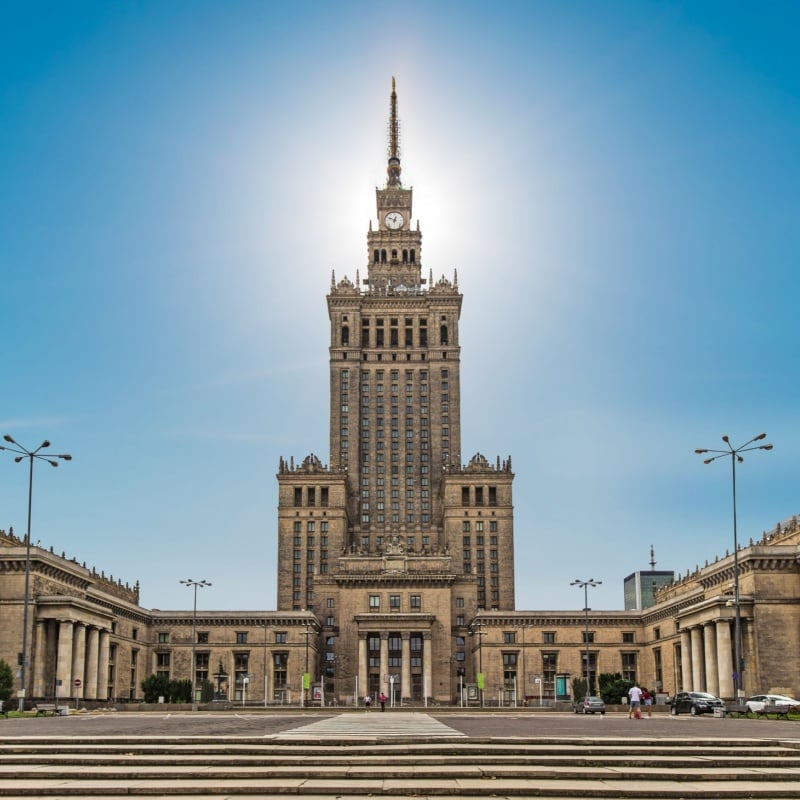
{"type": "Point", "coordinates": [757, 702]}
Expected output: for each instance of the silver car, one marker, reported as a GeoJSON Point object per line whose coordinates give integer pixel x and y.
{"type": "Point", "coordinates": [590, 705]}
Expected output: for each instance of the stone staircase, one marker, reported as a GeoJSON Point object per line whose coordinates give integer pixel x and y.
{"type": "Point", "coordinates": [264, 766]}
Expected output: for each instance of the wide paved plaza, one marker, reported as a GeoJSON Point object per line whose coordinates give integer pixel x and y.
{"type": "Point", "coordinates": [395, 722]}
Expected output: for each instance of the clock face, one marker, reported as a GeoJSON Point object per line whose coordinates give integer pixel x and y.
{"type": "Point", "coordinates": [393, 220]}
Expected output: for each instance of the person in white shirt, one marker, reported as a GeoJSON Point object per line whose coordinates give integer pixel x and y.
{"type": "Point", "coordinates": [635, 695]}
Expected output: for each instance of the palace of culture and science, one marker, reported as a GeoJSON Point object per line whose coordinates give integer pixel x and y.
{"type": "Point", "coordinates": [396, 558]}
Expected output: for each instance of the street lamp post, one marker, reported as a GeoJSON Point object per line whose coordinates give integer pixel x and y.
{"type": "Point", "coordinates": [522, 628]}
{"type": "Point", "coordinates": [585, 586]}
{"type": "Point", "coordinates": [481, 680]}
{"type": "Point", "coordinates": [52, 460]}
{"type": "Point", "coordinates": [735, 455]}
{"type": "Point", "coordinates": [194, 585]}
{"type": "Point", "coordinates": [306, 676]}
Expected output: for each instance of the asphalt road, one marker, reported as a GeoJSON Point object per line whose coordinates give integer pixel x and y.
{"type": "Point", "coordinates": [477, 724]}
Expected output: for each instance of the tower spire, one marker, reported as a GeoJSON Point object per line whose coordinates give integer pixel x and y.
{"type": "Point", "coordinates": [393, 169]}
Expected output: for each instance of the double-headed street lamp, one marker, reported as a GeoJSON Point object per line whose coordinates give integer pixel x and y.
{"type": "Point", "coordinates": [52, 460]}
{"type": "Point", "coordinates": [735, 455]}
{"type": "Point", "coordinates": [195, 585]}
{"type": "Point", "coordinates": [585, 586]}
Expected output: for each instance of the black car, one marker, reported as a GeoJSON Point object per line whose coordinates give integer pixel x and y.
{"type": "Point", "coordinates": [695, 703]}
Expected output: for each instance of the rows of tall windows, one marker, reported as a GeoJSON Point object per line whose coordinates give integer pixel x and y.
{"type": "Point", "coordinates": [309, 556]}
{"type": "Point", "coordinates": [476, 555]}
{"type": "Point", "coordinates": [395, 433]}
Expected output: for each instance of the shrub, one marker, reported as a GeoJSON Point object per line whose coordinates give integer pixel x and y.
{"type": "Point", "coordinates": [6, 680]}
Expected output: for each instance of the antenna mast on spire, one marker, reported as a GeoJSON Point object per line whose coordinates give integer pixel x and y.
{"type": "Point", "coordinates": [393, 170]}
{"type": "Point", "coordinates": [652, 558]}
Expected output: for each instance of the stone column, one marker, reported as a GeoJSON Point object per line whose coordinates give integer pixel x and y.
{"type": "Point", "coordinates": [78, 660]}
{"type": "Point", "coordinates": [92, 655]}
{"type": "Point", "coordinates": [363, 680]}
{"type": "Point", "coordinates": [102, 665]}
{"type": "Point", "coordinates": [686, 662]}
{"type": "Point", "coordinates": [427, 672]}
{"type": "Point", "coordinates": [712, 670]}
{"type": "Point", "coordinates": [405, 671]}
{"type": "Point", "coordinates": [384, 662]}
{"type": "Point", "coordinates": [697, 659]}
{"type": "Point", "coordinates": [725, 658]}
{"type": "Point", "coordinates": [64, 660]}
{"type": "Point", "coordinates": [40, 658]}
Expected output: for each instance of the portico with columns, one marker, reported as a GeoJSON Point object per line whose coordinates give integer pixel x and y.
{"type": "Point", "coordinates": [706, 648]}
{"type": "Point", "coordinates": [71, 643]}
{"type": "Point", "coordinates": [395, 654]}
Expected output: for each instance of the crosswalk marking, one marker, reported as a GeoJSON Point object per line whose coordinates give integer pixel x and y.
{"type": "Point", "coordinates": [363, 724]}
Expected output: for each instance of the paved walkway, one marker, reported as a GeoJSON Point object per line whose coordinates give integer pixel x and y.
{"type": "Point", "coordinates": [371, 724]}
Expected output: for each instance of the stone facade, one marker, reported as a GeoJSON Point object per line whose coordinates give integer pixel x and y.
{"type": "Point", "coordinates": [90, 639]}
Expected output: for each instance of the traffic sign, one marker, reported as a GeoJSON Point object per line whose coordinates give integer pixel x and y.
{"type": "Point", "coordinates": [77, 682]}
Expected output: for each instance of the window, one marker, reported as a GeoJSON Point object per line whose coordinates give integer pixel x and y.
{"type": "Point", "coordinates": [202, 637]}
{"type": "Point", "coordinates": [588, 637]}
{"type": "Point", "coordinates": [279, 663]}
{"type": "Point", "coordinates": [163, 638]}
{"type": "Point", "coordinates": [374, 601]}
{"type": "Point", "coordinates": [627, 637]}
{"type": "Point", "coordinates": [415, 602]}
{"type": "Point", "coordinates": [394, 602]}
{"type": "Point", "coordinates": [280, 637]}
{"type": "Point", "coordinates": [549, 637]}
{"type": "Point", "coordinates": [459, 602]}
{"type": "Point", "coordinates": [241, 637]}
{"type": "Point", "coordinates": [509, 637]}
{"type": "Point", "coordinates": [162, 664]}
{"type": "Point", "coordinates": [629, 666]}
{"type": "Point", "coordinates": [549, 666]}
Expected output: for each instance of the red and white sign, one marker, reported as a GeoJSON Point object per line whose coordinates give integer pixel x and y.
{"type": "Point", "coordinates": [77, 682]}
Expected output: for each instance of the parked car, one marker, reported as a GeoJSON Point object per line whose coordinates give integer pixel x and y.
{"type": "Point", "coordinates": [590, 705]}
{"type": "Point", "coordinates": [695, 703]}
{"type": "Point", "coordinates": [757, 702]}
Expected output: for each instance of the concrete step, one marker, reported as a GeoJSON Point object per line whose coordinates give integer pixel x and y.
{"type": "Point", "coordinates": [260, 768]}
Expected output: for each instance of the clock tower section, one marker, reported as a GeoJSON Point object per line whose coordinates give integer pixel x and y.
{"type": "Point", "coordinates": [394, 249]}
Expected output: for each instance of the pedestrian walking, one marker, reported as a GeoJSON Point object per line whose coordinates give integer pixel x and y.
{"type": "Point", "coordinates": [648, 702]}
{"type": "Point", "coordinates": [635, 695]}
{"type": "Point", "coordinates": [383, 701]}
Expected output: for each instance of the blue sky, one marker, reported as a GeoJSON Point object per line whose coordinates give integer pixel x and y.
{"type": "Point", "coordinates": [616, 184]}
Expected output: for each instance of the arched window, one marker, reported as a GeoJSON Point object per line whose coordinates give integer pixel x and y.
{"type": "Point", "coordinates": [345, 335]}
{"type": "Point", "coordinates": [383, 256]}
{"type": "Point", "coordinates": [405, 256]}
{"type": "Point", "coordinates": [413, 256]}
{"type": "Point", "coordinates": [443, 334]}
{"type": "Point", "coordinates": [376, 255]}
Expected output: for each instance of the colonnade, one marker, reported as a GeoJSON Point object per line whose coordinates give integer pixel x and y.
{"type": "Point", "coordinates": [405, 663]}
{"type": "Point", "coordinates": [71, 650]}
{"type": "Point", "coordinates": [707, 658]}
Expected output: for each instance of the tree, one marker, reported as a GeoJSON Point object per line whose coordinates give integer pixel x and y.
{"type": "Point", "coordinates": [6, 680]}
{"type": "Point", "coordinates": [579, 689]}
{"type": "Point", "coordinates": [180, 691]}
{"type": "Point", "coordinates": [155, 686]}
{"type": "Point", "coordinates": [206, 692]}
{"type": "Point", "coordinates": [612, 693]}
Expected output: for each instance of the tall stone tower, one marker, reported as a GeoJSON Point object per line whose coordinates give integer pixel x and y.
{"type": "Point", "coordinates": [395, 545]}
